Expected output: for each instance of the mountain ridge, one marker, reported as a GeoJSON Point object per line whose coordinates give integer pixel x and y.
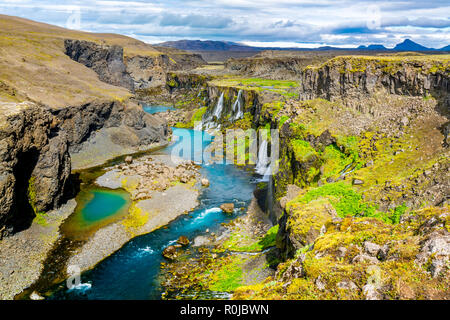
{"type": "Point", "coordinates": [212, 45]}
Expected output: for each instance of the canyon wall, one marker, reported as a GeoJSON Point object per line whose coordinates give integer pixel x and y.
{"type": "Point", "coordinates": [35, 165]}
{"type": "Point", "coordinates": [105, 60]}
{"type": "Point", "coordinates": [136, 72]}
{"type": "Point", "coordinates": [354, 77]}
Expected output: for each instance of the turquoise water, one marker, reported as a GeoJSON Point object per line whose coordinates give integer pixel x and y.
{"type": "Point", "coordinates": [156, 109]}
{"type": "Point", "coordinates": [133, 271]}
{"type": "Point", "coordinates": [103, 205]}
{"type": "Point", "coordinates": [97, 207]}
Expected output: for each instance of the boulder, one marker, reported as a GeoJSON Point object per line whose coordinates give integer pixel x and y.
{"type": "Point", "coordinates": [227, 207]}
{"type": "Point", "coordinates": [183, 240]}
{"type": "Point", "coordinates": [347, 285]}
{"type": "Point", "coordinates": [371, 248]}
{"type": "Point", "coordinates": [170, 252]}
{"type": "Point", "coordinates": [205, 182]}
{"type": "Point", "coordinates": [371, 292]}
{"type": "Point", "coordinates": [362, 258]}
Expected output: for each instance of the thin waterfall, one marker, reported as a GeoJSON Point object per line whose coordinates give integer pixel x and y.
{"type": "Point", "coordinates": [218, 110]}
{"type": "Point", "coordinates": [262, 166]}
{"type": "Point", "coordinates": [238, 106]}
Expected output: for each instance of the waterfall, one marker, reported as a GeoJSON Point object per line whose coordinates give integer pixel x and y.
{"type": "Point", "coordinates": [218, 110]}
{"type": "Point", "coordinates": [263, 164]}
{"type": "Point", "coordinates": [239, 114]}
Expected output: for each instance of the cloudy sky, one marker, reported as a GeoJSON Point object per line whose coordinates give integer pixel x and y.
{"type": "Point", "coordinates": [299, 23]}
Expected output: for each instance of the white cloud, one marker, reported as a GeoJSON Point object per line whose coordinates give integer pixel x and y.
{"type": "Point", "coordinates": [306, 23]}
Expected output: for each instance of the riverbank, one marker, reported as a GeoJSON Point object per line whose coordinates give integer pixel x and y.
{"type": "Point", "coordinates": [145, 216]}
{"type": "Point", "coordinates": [23, 254]}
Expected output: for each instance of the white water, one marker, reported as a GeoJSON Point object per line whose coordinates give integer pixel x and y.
{"type": "Point", "coordinates": [263, 159]}
{"type": "Point", "coordinates": [239, 114]}
{"type": "Point", "coordinates": [267, 174]}
{"type": "Point", "coordinates": [218, 110]}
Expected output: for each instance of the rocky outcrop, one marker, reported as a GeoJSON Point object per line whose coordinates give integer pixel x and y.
{"type": "Point", "coordinates": [274, 68]}
{"type": "Point", "coordinates": [148, 72]}
{"type": "Point", "coordinates": [275, 64]}
{"type": "Point", "coordinates": [80, 122]}
{"type": "Point", "coordinates": [102, 130]}
{"type": "Point", "coordinates": [106, 61]}
{"type": "Point", "coordinates": [345, 77]}
{"type": "Point", "coordinates": [35, 165]}
{"type": "Point", "coordinates": [138, 72]}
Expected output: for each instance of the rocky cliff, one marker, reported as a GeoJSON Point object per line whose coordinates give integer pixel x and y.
{"type": "Point", "coordinates": [354, 77]}
{"type": "Point", "coordinates": [277, 64]}
{"type": "Point", "coordinates": [35, 164]}
{"type": "Point", "coordinates": [134, 72]}
{"type": "Point", "coordinates": [105, 60]}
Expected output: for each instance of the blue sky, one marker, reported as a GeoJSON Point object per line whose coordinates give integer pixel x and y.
{"type": "Point", "coordinates": [307, 23]}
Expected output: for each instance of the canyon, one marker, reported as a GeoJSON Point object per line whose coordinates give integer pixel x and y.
{"type": "Point", "coordinates": [362, 178]}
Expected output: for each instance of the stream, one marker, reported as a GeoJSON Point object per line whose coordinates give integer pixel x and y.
{"type": "Point", "coordinates": [133, 272]}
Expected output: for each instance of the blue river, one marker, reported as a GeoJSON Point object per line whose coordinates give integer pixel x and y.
{"type": "Point", "coordinates": [133, 271]}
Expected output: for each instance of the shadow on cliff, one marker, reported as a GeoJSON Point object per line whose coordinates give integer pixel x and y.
{"type": "Point", "coordinates": [22, 172]}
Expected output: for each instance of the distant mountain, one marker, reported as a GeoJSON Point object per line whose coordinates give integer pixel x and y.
{"type": "Point", "coordinates": [377, 47]}
{"type": "Point", "coordinates": [409, 45]}
{"type": "Point", "coordinates": [207, 45]}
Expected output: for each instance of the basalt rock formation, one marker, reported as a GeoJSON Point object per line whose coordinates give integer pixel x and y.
{"type": "Point", "coordinates": [35, 165]}
{"type": "Point", "coordinates": [135, 72]}
{"type": "Point", "coordinates": [354, 77]}
{"type": "Point", "coordinates": [106, 61]}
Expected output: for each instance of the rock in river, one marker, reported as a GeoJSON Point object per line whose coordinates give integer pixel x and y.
{"type": "Point", "coordinates": [205, 182]}
{"type": "Point", "coordinates": [170, 252]}
{"type": "Point", "coordinates": [183, 240]}
{"type": "Point", "coordinates": [227, 207]}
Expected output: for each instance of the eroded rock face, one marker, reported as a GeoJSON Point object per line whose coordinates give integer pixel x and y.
{"type": "Point", "coordinates": [347, 78]}
{"type": "Point", "coordinates": [35, 165]}
{"type": "Point", "coordinates": [116, 125]}
{"type": "Point", "coordinates": [106, 61]}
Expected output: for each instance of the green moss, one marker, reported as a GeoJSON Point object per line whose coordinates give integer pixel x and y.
{"type": "Point", "coordinates": [135, 219]}
{"type": "Point", "coordinates": [228, 277]}
{"type": "Point", "coordinates": [343, 198]}
{"type": "Point", "coordinates": [348, 202]}
{"type": "Point", "coordinates": [271, 109]}
{"type": "Point", "coordinates": [241, 242]}
{"type": "Point", "coordinates": [303, 150]}
{"type": "Point", "coordinates": [40, 217]}
{"type": "Point", "coordinates": [197, 116]}
{"type": "Point", "coordinates": [282, 120]}
{"type": "Point", "coordinates": [244, 123]}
